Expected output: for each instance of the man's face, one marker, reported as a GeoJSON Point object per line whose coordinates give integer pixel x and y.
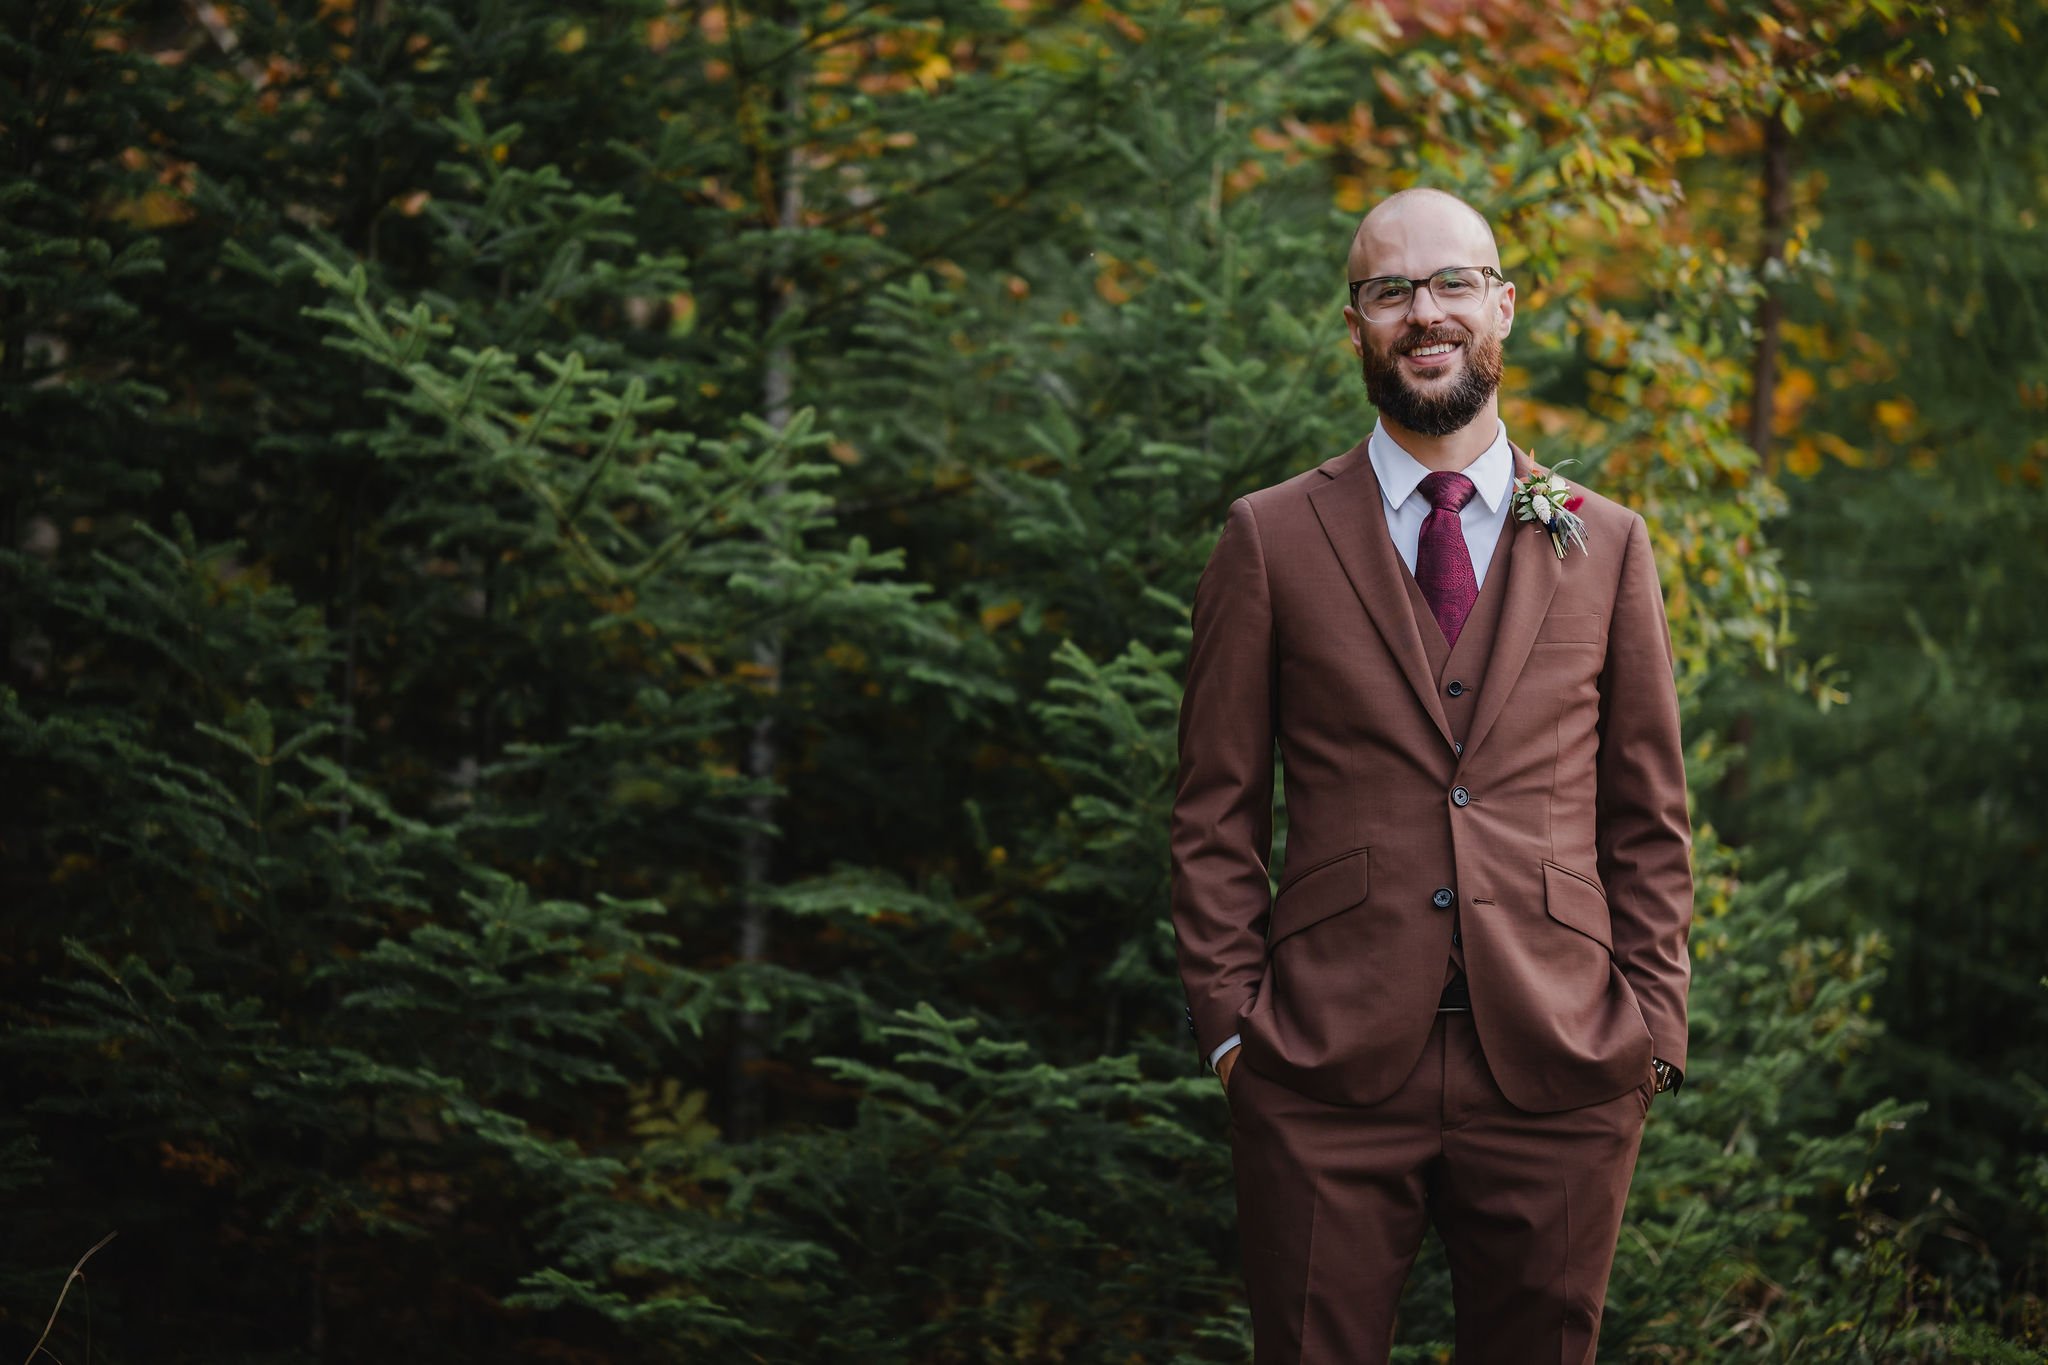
{"type": "Point", "coordinates": [1410, 377]}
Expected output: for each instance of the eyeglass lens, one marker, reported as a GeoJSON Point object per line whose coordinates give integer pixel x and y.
{"type": "Point", "coordinates": [1457, 289]}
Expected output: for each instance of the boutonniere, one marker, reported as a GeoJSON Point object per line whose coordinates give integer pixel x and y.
{"type": "Point", "coordinates": [1547, 500]}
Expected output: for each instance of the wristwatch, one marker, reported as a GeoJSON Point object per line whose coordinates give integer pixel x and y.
{"type": "Point", "coordinates": [1668, 1076]}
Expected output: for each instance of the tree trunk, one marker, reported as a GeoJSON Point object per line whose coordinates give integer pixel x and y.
{"type": "Point", "coordinates": [1763, 381]}
{"type": "Point", "coordinates": [1777, 194]}
{"type": "Point", "coordinates": [778, 387]}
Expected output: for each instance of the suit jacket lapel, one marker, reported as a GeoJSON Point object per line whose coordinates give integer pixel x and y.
{"type": "Point", "coordinates": [1353, 515]}
{"type": "Point", "coordinates": [1532, 581]}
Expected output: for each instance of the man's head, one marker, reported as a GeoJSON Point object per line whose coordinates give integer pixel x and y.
{"type": "Point", "coordinates": [1401, 335]}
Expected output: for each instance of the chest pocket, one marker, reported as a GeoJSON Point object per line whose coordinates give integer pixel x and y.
{"type": "Point", "coordinates": [1579, 629]}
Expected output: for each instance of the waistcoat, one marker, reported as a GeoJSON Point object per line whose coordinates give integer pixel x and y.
{"type": "Point", "coordinates": [1464, 665]}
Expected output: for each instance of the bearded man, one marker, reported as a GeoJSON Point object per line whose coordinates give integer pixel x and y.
{"type": "Point", "coordinates": [1471, 980]}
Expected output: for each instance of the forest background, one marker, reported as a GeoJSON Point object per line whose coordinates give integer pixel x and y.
{"type": "Point", "coordinates": [594, 600]}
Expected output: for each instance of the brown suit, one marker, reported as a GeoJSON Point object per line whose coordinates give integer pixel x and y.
{"type": "Point", "coordinates": [1525, 790]}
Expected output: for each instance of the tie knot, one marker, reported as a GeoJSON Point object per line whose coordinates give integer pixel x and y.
{"type": "Point", "coordinates": [1447, 490]}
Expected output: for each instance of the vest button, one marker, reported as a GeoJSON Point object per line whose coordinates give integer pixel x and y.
{"type": "Point", "coordinates": [1441, 898]}
{"type": "Point", "coordinates": [1456, 689]}
{"type": "Point", "coordinates": [1460, 797]}
{"type": "Point", "coordinates": [1457, 746]}
{"type": "Point", "coordinates": [1457, 939]}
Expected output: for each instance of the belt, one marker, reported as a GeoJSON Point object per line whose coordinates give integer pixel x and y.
{"type": "Point", "coordinates": [1456, 996]}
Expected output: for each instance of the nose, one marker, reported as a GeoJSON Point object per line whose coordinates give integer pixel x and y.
{"type": "Point", "coordinates": [1423, 309]}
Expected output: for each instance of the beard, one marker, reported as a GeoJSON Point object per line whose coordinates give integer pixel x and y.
{"type": "Point", "coordinates": [1448, 407]}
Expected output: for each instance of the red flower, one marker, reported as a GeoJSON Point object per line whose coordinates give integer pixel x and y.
{"type": "Point", "coordinates": [1571, 504]}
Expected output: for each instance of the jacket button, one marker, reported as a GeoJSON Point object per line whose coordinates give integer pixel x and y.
{"type": "Point", "coordinates": [1460, 797]}
{"type": "Point", "coordinates": [1441, 898]}
{"type": "Point", "coordinates": [1457, 746]}
{"type": "Point", "coordinates": [1457, 939]}
{"type": "Point", "coordinates": [1456, 689]}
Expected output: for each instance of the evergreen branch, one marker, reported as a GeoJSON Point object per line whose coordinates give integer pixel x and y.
{"type": "Point", "coordinates": [1034, 181]}
{"type": "Point", "coordinates": [636, 394]}
{"type": "Point", "coordinates": [855, 507]}
{"type": "Point", "coordinates": [817, 37]}
{"type": "Point", "coordinates": [566, 373]}
{"type": "Point", "coordinates": [678, 540]}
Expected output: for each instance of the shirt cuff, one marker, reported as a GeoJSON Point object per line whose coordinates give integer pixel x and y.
{"type": "Point", "coordinates": [1223, 1047]}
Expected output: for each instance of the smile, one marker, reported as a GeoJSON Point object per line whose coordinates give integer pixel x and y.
{"type": "Point", "coordinates": [1425, 354]}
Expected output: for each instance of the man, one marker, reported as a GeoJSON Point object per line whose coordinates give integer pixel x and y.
{"type": "Point", "coordinates": [1473, 976]}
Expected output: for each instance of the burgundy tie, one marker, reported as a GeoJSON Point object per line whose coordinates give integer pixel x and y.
{"type": "Point", "coordinates": [1443, 566]}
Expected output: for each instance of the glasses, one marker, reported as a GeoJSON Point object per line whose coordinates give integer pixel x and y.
{"type": "Point", "coordinates": [1456, 289]}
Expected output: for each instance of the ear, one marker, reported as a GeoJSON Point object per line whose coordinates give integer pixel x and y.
{"type": "Point", "coordinates": [1507, 309]}
{"type": "Point", "coordinates": [1355, 321]}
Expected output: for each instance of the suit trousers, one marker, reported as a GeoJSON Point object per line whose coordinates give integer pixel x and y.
{"type": "Point", "coordinates": [1333, 1201]}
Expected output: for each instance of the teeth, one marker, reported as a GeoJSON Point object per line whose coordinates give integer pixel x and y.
{"type": "Point", "coordinates": [1442, 348]}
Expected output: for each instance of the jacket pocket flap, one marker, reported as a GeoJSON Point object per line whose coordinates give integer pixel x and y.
{"type": "Point", "coordinates": [1576, 901]}
{"type": "Point", "coordinates": [1330, 886]}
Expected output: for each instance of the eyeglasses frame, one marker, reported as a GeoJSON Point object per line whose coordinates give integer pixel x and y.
{"type": "Point", "coordinates": [1485, 270]}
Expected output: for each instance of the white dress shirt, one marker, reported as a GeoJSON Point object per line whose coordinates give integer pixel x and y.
{"type": "Point", "coordinates": [1492, 474]}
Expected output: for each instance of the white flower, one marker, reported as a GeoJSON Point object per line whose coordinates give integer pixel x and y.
{"type": "Point", "coordinates": [1542, 508]}
{"type": "Point", "coordinates": [1558, 485]}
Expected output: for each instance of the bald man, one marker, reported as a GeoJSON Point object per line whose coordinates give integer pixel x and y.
{"type": "Point", "coordinates": [1471, 980]}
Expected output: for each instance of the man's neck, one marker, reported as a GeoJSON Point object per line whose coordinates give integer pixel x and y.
{"type": "Point", "coordinates": [1452, 452]}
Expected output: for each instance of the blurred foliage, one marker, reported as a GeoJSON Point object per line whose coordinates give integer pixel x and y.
{"type": "Point", "coordinates": [594, 597]}
{"type": "Point", "coordinates": [1919, 526]}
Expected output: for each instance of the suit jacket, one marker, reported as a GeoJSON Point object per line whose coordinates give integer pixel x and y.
{"type": "Point", "coordinates": [1558, 827]}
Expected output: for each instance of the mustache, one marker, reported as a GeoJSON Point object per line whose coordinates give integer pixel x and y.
{"type": "Point", "coordinates": [1434, 336]}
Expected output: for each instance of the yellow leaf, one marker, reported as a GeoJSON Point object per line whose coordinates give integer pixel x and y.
{"type": "Point", "coordinates": [1896, 416]}
{"type": "Point", "coordinates": [1831, 444]}
{"type": "Point", "coordinates": [934, 69]}
{"type": "Point", "coordinates": [573, 40]}
{"type": "Point", "coordinates": [1000, 614]}
{"type": "Point", "coordinates": [154, 209]}
{"type": "Point", "coordinates": [69, 866]}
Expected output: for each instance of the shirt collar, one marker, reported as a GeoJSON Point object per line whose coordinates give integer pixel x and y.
{"type": "Point", "coordinates": [1399, 471]}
